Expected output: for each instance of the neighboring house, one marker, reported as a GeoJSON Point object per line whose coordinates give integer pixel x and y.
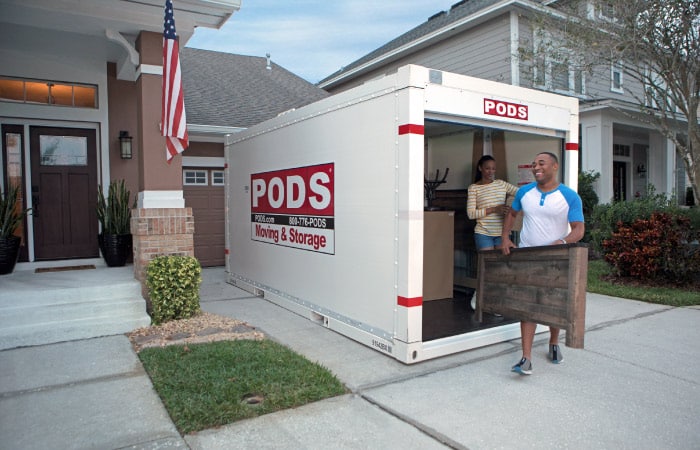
{"type": "Point", "coordinates": [483, 38]}
{"type": "Point", "coordinates": [81, 74]}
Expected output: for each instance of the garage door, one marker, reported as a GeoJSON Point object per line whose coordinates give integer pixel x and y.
{"type": "Point", "coordinates": [203, 190]}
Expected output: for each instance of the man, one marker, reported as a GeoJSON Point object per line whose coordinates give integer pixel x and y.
{"type": "Point", "coordinates": [552, 215]}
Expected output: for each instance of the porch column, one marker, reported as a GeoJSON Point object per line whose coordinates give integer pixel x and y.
{"type": "Point", "coordinates": [596, 151]}
{"type": "Point", "coordinates": [161, 225]}
{"type": "Point", "coordinates": [662, 164]}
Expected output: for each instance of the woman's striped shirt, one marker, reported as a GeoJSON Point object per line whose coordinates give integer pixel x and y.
{"type": "Point", "coordinates": [482, 196]}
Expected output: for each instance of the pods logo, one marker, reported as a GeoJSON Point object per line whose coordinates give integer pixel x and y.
{"type": "Point", "coordinates": [302, 190]}
{"type": "Point", "coordinates": [505, 109]}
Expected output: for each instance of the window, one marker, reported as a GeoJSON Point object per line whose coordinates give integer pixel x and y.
{"type": "Point", "coordinates": [621, 150]}
{"type": "Point", "coordinates": [195, 177]}
{"type": "Point", "coordinates": [203, 177]}
{"type": "Point", "coordinates": [540, 68]}
{"type": "Point", "coordinates": [579, 84]}
{"type": "Point", "coordinates": [558, 74]}
{"type": "Point", "coordinates": [217, 178]}
{"type": "Point", "coordinates": [656, 92]}
{"type": "Point", "coordinates": [43, 92]}
{"type": "Point", "coordinates": [607, 11]}
{"type": "Point", "coordinates": [616, 79]}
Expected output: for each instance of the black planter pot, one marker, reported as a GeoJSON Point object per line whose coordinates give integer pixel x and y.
{"type": "Point", "coordinates": [115, 248]}
{"type": "Point", "coordinates": [9, 251]}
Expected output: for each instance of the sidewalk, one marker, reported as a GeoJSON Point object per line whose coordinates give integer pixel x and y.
{"type": "Point", "coordinates": [635, 385]}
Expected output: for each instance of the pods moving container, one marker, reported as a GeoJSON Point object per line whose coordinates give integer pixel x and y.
{"type": "Point", "coordinates": [326, 204]}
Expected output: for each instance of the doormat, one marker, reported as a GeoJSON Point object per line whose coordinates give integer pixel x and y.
{"type": "Point", "coordinates": [63, 269]}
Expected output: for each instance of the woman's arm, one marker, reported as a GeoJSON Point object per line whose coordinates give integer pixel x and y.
{"type": "Point", "coordinates": [472, 212]}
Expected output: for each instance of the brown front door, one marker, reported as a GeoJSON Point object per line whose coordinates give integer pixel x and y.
{"type": "Point", "coordinates": [64, 192]}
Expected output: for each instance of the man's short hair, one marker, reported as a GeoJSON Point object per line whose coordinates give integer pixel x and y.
{"type": "Point", "coordinates": [551, 155]}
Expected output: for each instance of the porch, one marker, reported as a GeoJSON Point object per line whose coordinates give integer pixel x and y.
{"type": "Point", "coordinates": [83, 299]}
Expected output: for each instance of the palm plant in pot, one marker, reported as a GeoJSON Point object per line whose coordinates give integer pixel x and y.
{"type": "Point", "coordinates": [114, 214]}
{"type": "Point", "coordinates": [10, 219]}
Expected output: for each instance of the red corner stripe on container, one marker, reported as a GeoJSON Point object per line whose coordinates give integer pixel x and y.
{"type": "Point", "coordinates": [225, 251]}
{"type": "Point", "coordinates": [571, 146]}
{"type": "Point", "coordinates": [409, 302]}
{"type": "Point", "coordinates": [411, 128]}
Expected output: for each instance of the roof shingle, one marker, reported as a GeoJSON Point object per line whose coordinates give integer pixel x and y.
{"type": "Point", "coordinates": [224, 89]}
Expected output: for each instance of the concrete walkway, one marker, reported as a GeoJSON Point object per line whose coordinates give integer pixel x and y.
{"type": "Point", "coordinates": [635, 385]}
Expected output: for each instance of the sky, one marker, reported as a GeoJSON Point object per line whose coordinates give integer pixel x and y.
{"type": "Point", "coordinates": [315, 38]}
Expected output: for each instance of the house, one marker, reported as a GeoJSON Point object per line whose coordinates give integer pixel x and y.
{"type": "Point", "coordinates": [85, 75]}
{"type": "Point", "coordinates": [483, 38]}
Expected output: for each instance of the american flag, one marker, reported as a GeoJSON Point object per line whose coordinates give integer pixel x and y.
{"type": "Point", "coordinates": [173, 120]}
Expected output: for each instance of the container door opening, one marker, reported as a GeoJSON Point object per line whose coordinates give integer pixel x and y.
{"type": "Point", "coordinates": [458, 147]}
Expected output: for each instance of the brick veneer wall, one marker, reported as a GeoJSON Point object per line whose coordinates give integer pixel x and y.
{"type": "Point", "coordinates": [160, 231]}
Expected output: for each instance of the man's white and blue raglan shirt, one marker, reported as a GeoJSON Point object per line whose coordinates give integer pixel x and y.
{"type": "Point", "coordinates": [546, 214]}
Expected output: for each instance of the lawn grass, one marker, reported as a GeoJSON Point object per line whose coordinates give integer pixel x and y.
{"type": "Point", "coordinates": [651, 294]}
{"type": "Point", "coordinates": [207, 385]}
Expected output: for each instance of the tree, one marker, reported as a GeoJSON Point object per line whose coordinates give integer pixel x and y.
{"type": "Point", "coordinates": [654, 42]}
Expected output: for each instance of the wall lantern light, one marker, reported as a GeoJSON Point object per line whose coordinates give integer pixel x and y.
{"type": "Point", "coordinates": [125, 144]}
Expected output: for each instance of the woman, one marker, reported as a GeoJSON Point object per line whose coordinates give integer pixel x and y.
{"type": "Point", "coordinates": [486, 203]}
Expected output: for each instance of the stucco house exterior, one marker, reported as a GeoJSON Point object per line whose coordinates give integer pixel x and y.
{"type": "Point", "coordinates": [483, 38]}
{"type": "Point", "coordinates": [84, 73]}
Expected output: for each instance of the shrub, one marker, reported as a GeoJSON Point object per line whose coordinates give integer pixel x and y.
{"type": "Point", "coordinates": [173, 284]}
{"type": "Point", "coordinates": [589, 198]}
{"type": "Point", "coordinates": [663, 247]}
{"type": "Point", "coordinates": [604, 219]}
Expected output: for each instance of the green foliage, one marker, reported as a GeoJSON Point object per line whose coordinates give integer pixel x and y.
{"type": "Point", "coordinates": [601, 281]}
{"type": "Point", "coordinates": [586, 192]}
{"type": "Point", "coordinates": [693, 214]}
{"type": "Point", "coordinates": [206, 385]}
{"type": "Point", "coordinates": [604, 219]}
{"type": "Point", "coordinates": [173, 284]}
{"type": "Point", "coordinates": [114, 211]}
{"type": "Point", "coordinates": [10, 216]}
{"type": "Point", "coordinates": [658, 248]}
{"type": "Point", "coordinates": [589, 198]}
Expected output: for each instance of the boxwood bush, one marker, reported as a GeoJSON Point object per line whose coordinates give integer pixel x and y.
{"type": "Point", "coordinates": [173, 285]}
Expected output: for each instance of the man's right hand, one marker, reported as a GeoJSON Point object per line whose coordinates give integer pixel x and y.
{"type": "Point", "coordinates": [506, 245]}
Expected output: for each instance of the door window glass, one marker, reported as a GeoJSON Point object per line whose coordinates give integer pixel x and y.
{"type": "Point", "coordinates": [13, 165]}
{"type": "Point", "coordinates": [63, 150]}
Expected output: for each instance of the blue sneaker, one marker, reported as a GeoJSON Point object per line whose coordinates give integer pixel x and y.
{"type": "Point", "coordinates": [555, 354]}
{"type": "Point", "coordinates": [524, 367]}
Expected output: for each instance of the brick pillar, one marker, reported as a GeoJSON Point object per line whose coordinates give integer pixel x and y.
{"type": "Point", "coordinates": [160, 231]}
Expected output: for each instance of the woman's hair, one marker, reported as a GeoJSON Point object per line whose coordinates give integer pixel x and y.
{"type": "Point", "coordinates": [482, 160]}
